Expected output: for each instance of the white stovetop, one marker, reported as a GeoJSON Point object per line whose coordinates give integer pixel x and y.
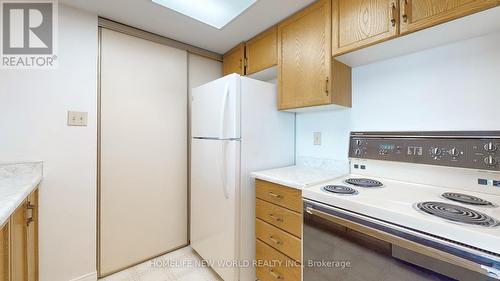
{"type": "Point", "coordinates": [17, 181]}
{"type": "Point", "coordinates": [299, 177]}
{"type": "Point", "coordinates": [395, 203]}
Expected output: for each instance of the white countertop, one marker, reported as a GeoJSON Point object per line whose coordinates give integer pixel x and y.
{"type": "Point", "coordinates": [17, 181]}
{"type": "Point", "coordinates": [299, 177]}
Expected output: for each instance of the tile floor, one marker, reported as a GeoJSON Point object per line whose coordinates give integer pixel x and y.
{"type": "Point", "coordinates": [180, 265]}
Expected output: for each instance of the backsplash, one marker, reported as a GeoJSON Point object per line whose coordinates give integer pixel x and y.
{"type": "Point", "coordinates": [452, 87]}
{"type": "Point", "coordinates": [323, 163]}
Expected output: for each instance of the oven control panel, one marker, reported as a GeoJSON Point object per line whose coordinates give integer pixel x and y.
{"type": "Point", "coordinates": [465, 151]}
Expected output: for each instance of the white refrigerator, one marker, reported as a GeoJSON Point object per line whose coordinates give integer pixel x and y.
{"type": "Point", "coordinates": [236, 129]}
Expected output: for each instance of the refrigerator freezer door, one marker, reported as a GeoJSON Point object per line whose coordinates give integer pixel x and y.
{"type": "Point", "coordinates": [216, 109]}
{"type": "Point", "coordinates": [215, 204]}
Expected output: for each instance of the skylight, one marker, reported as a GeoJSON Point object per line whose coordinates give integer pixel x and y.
{"type": "Point", "coordinates": [216, 13]}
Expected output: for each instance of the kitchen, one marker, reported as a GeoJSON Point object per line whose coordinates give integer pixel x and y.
{"type": "Point", "coordinates": [124, 140]}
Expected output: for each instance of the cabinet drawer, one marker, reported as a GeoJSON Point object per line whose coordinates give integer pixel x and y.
{"type": "Point", "coordinates": [278, 239]}
{"type": "Point", "coordinates": [280, 217]}
{"type": "Point", "coordinates": [280, 195]}
{"type": "Point", "coordinates": [273, 265]}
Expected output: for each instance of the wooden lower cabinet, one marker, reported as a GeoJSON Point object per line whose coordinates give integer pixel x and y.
{"type": "Point", "coordinates": [19, 243]}
{"type": "Point", "coordinates": [283, 196]}
{"type": "Point", "coordinates": [32, 236]}
{"type": "Point", "coordinates": [273, 265]}
{"type": "Point", "coordinates": [280, 217]}
{"type": "Point", "coordinates": [4, 253]}
{"type": "Point", "coordinates": [279, 239]}
{"type": "Point", "coordinates": [278, 229]}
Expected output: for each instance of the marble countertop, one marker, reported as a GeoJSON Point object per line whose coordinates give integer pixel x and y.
{"type": "Point", "coordinates": [300, 176]}
{"type": "Point", "coordinates": [17, 181]}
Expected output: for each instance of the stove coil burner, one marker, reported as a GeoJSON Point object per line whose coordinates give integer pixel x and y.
{"type": "Point", "coordinates": [364, 182]}
{"type": "Point", "coordinates": [467, 199]}
{"type": "Point", "coordinates": [458, 214]}
{"type": "Point", "coordinates": [340, 189]}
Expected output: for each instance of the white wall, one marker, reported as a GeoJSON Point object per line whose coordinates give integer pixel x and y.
{"type": "Point", "coordinates": [453, 87]}
{"type": "Point", "coordinates": [33, 108]}
{"type": "Point", "coordinates": [202, 70]}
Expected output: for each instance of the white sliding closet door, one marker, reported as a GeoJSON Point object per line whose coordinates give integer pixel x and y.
{"type": "Point", "coordinates": [143, 188]}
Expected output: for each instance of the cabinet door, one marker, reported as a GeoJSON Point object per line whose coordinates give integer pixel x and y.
{"type": "Point", "coordinates": [32, 236]}
{"type": "Point", "coordinates": [304, 57]}
{"type": "Point", "coordinates": [262, 51]}
{"type": "Point", "coordinates": [360, 23]}
{"type": "Point", "coordinates": [19, 265]}
{"type": "Point", "coordinates": [4, 253]}
{"type": "Point", "coordinates": [233, 61]}
{"type": "Point", "coordinates": [420, 14]}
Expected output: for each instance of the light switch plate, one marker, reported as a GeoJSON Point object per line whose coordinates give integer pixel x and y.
{"type": "Point", "coordinates": [317, 138]}
{"type": "Point", "coordinates": [77, 118]}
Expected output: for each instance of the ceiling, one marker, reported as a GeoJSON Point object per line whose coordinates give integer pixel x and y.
{"type": "Point", "coordinates": [146, 15]}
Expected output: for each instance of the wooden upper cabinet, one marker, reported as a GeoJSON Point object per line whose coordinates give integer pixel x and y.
{"type": "Point", "coordinates": [233, 61]}
{"type": "Point", "coordinates": [420, 14]}
{"type": "Point", "coordinates": [360, 23]}
{"type": "Point", "coordinates": [262, 51]}
{"type": "Point", "coordinates": [305, 68]}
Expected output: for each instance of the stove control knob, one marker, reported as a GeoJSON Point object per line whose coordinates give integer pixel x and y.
{"type": "Point", "coordinates": [490, 161]}
{"type": "Point", "coordinates": [358, 142]}
{"type": "Point", "coordinates": [454, 152]}
{"type": "Point", "coordinates": [490, 147]}
{"type": "Point", "coordinates": [357, 152]}
{"type": "Point", "coordinates": [436, 151]}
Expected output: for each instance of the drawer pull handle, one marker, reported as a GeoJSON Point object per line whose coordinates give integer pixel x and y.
{"type": "Point", "coordinates": [277, 196]}
{"type": "Point", "coordinates": [278, 219]}
{"type": "Point", "coordinates": [326, 86]}
{"type": "Point", "coordinates": [274, 274]}
{"type": "Point", "coordinates": [274, 240]}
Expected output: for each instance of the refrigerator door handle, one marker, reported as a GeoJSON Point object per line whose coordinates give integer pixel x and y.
{"type": "Point", "coordinates": [224, 169]}
{"type": "Point", "coordinates": [223, 111]}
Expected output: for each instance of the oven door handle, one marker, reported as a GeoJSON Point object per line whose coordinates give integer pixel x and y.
{"type": "Point", "coordinates": [407, 250]}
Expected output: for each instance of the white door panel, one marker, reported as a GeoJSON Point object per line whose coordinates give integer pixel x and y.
{"type": "Point", "coordinates": [143, 192]}
{"type": "Point", "coordinates": [214, 204]}
{"type": "Point", "coordinates": [216, 110]}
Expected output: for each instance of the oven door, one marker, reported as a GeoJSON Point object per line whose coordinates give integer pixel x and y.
{"type": "Point", "coordinates": [344, 246]}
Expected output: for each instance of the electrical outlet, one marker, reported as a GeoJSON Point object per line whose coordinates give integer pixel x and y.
{"type": "Point", "coordinates": [76, 118]}
{"type": "Point", "coordinates": [317, 138]}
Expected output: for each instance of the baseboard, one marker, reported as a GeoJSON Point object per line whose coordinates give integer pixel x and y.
{"type": "Point", "coordinates": [87, 277]}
